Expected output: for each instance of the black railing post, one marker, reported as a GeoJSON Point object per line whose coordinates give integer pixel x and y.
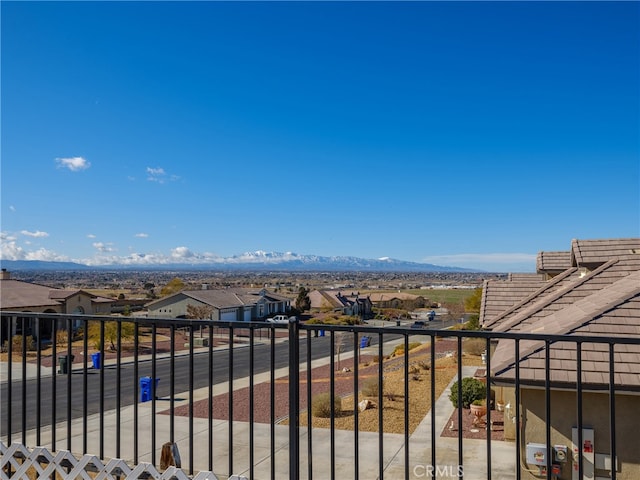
{"type": "Point", "coordinates": [579, 407]}
{"type": "Point", "coordinates": [10, 378]}
{"type": "Point", "coordinates": [23, 380]}
{"type": "Point", "coordinates": [294, 399]}
{"type": "Point", "coordinates": [612, 412]}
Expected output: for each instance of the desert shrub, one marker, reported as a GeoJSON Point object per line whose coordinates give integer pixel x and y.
{"type": "Point", "coordinates": [472, 390]}
{"type": "Point", "coordinates": [474, 346]}
{"type": "Point", "coordinates": [16, 344]}
{"type": "Point", "coordinates": [61, 337]}
{"type": "Point", "coordinates": [321, 405]}
{"type": "Point", "coordinates": [424, 365]}
{"type": "Point", "coordinates": [457, 326]}
{"type": "Point", "coordinates": [399, 349]}
{"type": "Point", "coordinates": [370, 388]}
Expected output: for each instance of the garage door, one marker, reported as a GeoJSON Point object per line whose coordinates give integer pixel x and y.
{"type": "Point", "coordinates": [228, 316]}
{"type": "Point", "coordinates": [247, 315]}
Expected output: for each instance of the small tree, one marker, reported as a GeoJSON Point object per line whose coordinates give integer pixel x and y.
{"type": "Point", "coordinates": [456, 310]}
{"type": "Point", "coordinates": [473, 323]}
{"type": "Point", "coordinates": [174, 286]}
{"type": "Point", "coordinates": [472, 303]}
{"type": "Point", "coordinates": [127, 330]}
{"type": "Point", "coordinates": [303, 302]}
{"type": "Point", "coordinates": [199, 312]}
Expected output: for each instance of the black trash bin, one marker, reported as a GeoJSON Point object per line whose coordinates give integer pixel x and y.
{"type": "Point", "coordinates": [64, 364]}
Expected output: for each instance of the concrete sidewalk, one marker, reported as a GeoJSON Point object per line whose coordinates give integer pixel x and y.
{"type": "Point", "coordinates": [392, 456]}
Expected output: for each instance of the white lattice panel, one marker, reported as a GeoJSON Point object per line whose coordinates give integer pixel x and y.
{"type": "Point", "coordinates": [21, 460]}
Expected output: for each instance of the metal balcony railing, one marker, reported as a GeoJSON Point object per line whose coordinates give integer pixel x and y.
{"type": "Point", "coordinates": [233, 397]}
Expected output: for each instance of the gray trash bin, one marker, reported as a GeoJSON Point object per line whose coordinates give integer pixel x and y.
{"type": "Point", "coordinates": [64, 363]}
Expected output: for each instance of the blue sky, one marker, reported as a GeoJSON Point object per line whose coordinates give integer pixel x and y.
{"type": "Point", "coordinates": [465, 134]}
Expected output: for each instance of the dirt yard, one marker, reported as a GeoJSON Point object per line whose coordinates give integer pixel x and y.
{"type": "Point", "coordinates": [419, 401]}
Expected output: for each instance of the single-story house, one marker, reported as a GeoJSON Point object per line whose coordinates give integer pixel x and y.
{"type": "Point", "coordinates": [19, 296]}
{"type": "Point", "coordinates": [347, 304]}
{"type": "Point", "coordinates": [594, 290]}
{"type": "Point", "coordinates": [231, 304]}
{"type": "Point", "coordinates": [399, 300]}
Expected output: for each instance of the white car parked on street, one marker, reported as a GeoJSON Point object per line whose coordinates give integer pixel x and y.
{"type": "Point", "coordinates": [278, 319]}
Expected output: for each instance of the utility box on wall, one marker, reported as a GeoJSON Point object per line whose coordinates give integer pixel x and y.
{"type": "Point", "coordinates": [536, 454]}
{"type": "Point", "coordinates": [588, 454]}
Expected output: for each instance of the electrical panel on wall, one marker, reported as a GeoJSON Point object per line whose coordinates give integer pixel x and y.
{"type": "Point", "coordinates": [588, 454]}
{"type": "Point", "coordinates": [536, 454]}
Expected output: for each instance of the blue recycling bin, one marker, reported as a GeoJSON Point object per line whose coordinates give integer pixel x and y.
{"type": "Point", "coordinates": [364, 342]}
{"type": "Point", "coordinates": [95, 358]}
{"type": "Point", "coordinates": [145, 388]}
{"type": "Point", "coordinates": [322, 333]}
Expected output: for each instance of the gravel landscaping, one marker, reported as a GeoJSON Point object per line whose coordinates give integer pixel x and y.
{"type": "Point", "coordinates": [394, 404]}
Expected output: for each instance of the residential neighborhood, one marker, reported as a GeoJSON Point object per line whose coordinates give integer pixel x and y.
{"type": "Point", "coordinates": [232, 304]}
{"type": "Point", "coordinates": [590, 291]}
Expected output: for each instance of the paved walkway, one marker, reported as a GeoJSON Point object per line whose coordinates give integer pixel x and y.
{"type": "Point", "coordinates": [392, 457]}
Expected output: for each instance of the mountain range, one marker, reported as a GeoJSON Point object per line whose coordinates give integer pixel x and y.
{"type": "Point", "coordinates": [257, 261]}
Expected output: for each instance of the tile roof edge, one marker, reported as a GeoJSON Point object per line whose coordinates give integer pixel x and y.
{"type": "Point", "coordinates": [535, 346]}
{"type": "Point", "coordinates": [544, 287]}
{"type": "Point", "coordinates": [536, 307]}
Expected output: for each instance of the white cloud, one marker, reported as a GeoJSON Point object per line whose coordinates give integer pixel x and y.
{"type": "Point", "coordinates": [91, 235]}
{"type": "Point", "coordinates": [159, 175]}
{"type": "Point", "coordinates": [10, 250]}
{"type": "Point", "coordinates": [46, 256]}
{"type": "Point", "coordinates": [36, 234]}
{"type": "Point", "coordinates": [103, 247]}
{"type": "Point", "coordinates": [131, 259]}
{"type": "Point", "coordinates": [182, 252]}
{"type": "Point", "coordinates": [75, 164]}
{"type": "Point", "coordinates": [12, 208]}
{"type": "Point", "coordinates": [7, 237]}
{"type": "Point", "coordinates": [141, 235]}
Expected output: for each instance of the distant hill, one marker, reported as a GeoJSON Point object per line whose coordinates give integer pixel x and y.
{"type": "Point", "coordinates": [15, 265]}
{"type": "Point", "coordinates": [256, 261]}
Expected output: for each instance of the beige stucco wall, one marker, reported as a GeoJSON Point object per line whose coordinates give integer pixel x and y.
{"type": "Point", "coordinates": [595, 414]}
{"type": "Point", "coordinates": [82, 303]}
{"type": "Point", "coordinates": [174, 308]}
{"type": "Point", "coordinates": [508, 397]}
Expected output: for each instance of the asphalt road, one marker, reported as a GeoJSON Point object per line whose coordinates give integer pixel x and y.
{"type": "Point", "coordinates": [100, 391]}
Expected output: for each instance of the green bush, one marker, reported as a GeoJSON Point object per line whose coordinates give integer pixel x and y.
{"type": "Point", "coordinates": [321, 405]}
{"type": "Point", "coordinates": [472, 390]}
